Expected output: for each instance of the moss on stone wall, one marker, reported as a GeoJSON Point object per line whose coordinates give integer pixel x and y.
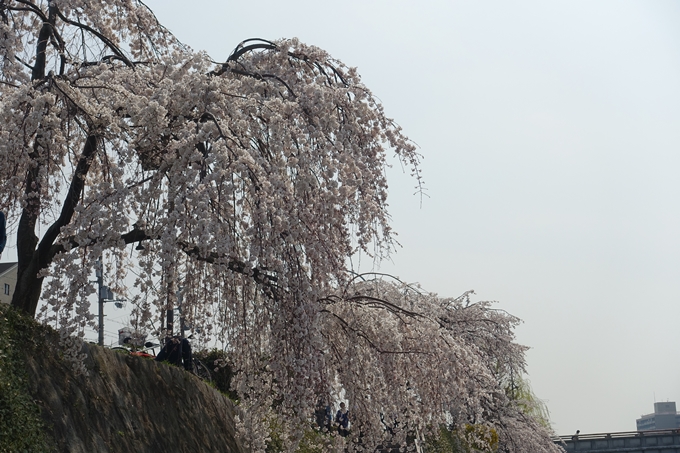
{"type": "Point", "coordinates": [22, 428]}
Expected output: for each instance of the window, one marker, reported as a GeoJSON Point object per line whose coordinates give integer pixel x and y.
{"type": "Point", "coordinates": [7, 289]}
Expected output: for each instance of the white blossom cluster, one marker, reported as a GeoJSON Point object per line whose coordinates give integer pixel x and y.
{"type": "Point", "coordinates": [245, 185]}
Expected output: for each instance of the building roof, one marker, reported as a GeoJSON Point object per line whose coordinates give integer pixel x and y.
{"type": "Point", "coordinates": [6, 267]}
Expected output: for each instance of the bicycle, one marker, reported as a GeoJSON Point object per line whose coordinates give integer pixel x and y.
{"type": "Point", "coordinates": [200, 370]}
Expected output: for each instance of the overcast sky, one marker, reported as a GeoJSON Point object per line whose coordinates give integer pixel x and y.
{"type": "Point", "coordinates": [551, 135]}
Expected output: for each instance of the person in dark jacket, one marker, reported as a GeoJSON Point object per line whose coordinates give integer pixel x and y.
{"type": "Point", "coordinates": [342, 420]}
{"type": "Point", "coordinates": [323, 415]}
{"type": "Point", "coordinates": [176, 351]}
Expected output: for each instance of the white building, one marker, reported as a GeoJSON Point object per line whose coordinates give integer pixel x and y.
{"type": "Point", "coordinates": [8, 281]}
{"type": "Point", "coordinates": [665, 416]}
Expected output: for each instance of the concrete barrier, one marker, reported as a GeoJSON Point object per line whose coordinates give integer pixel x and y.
{"type": "Point", "coordinates": [661, 441]}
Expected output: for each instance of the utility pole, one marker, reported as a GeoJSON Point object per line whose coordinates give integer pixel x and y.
{"type": "Point", "coordinates": [171, 299]}
{"type": "Point", "coordinates": [99, 270]}
{"type": "Point", "coordinates": [104, 294]}
{"type": "Point", "coordinates": [180, 298]}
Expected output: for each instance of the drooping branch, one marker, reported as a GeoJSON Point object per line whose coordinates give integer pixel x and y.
{"type": "Point", "coordinates": [263, 44]}
{"type": "Point", "coordinates": [360, 298]}
{"type": "Point", "coordinates": [114, 48]}
{"type": "Point", "coordinates": [31, 7]}
{"type": "Point", "coordinates": [360, 333]}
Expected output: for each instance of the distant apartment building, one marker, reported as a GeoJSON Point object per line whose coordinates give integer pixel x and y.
{"type": "Point", "coordinates": [665, 416]}
{"type": "Point", "coordinates": [8, 280]}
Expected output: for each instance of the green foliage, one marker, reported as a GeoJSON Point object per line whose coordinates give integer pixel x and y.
{"type": "Point", "coordinates": [519, 390]}
{"type": "Point", "coordinates": [21, 426]}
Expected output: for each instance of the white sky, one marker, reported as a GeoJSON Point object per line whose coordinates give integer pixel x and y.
{"type": "Point", "coordinates": [550, 133]}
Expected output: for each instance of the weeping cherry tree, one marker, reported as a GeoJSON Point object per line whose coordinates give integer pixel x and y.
{"type": "Point", "coordinates": [241, 187]}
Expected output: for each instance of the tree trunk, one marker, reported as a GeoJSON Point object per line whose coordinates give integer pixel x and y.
{"type": "Point", "coordinates": [27, 292]}
{"type": "Point", "coordinates": [28, 285]}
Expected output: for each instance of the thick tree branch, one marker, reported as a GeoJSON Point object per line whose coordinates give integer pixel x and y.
{"type": "Point", "coordinates": [260, 276]}
{"type": "Point", "coordinates": [26, 237]}
{"type": "Point", "coordinates": [70, 202]}
{"type": "Point", "coordinates": [41, 50]}
{"type": "Point", "coordinates": [34, 257]}
{"type": "Point", "coordinates": [135, 235]}
{"type": "Point", "coordinates": [238, 266]}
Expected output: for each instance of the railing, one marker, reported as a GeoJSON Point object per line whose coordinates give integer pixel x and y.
{"type": "Point", "coordinates": [656, 432]}
{"type": "Point", "coordinates": [662, 440]}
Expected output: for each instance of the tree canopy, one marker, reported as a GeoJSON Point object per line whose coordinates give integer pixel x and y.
{"type": "Point", "coordinates": [246, 185]}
